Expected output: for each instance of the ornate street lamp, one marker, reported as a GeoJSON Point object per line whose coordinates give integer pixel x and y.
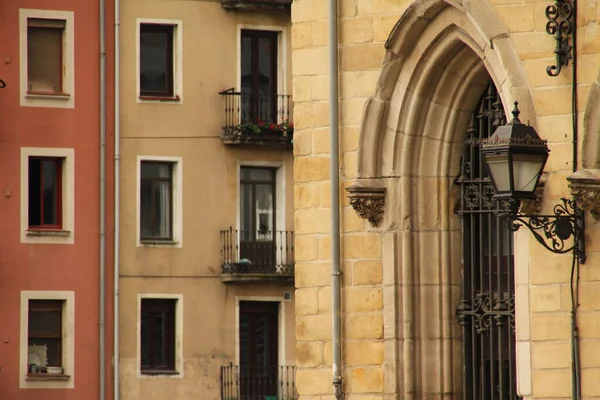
{"type": "Point", "coordinates": [515, 156]}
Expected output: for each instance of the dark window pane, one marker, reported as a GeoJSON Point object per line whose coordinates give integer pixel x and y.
{"type": "Point", "coordinates": [246, 60]}
{"type": "Point", "coordinates": [257, 174]}
{"type": "Point", "coordinates": [156, 60]}
{"type": "Point", "coordinates": [157, 334]}
{"type": "Point", "coordinates": [265, 66]}
{"type": "Point", "coordinates": [44, 192]}
{"type": "Point", "coordinates": [145, 340]}
{"type": "Point", "coordinates": [49, 171]}
{"type": "Point", "coordinates": [258, 75]}
{"type": "Point", "coordinates": [35, 189]}
{"type": "Point", "coordinates": [45, 323]}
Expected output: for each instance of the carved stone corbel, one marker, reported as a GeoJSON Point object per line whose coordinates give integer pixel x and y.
{"type": "Point", "coordinates": [534, 206]}
{"type": "Point", "coordinates": [585, 189]}
{"type": "Point", "coordinates": [368, 202]}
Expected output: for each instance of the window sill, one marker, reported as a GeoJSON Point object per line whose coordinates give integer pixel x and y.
{"type": "Point", "coordinates": [154, 242]}
{"type": "Point", "coordinates": [159, 98]}
{"type": "Point", "coordinates": [48, 95]}
{"type": "Point", "coordinates": [47, 377]}
{"type": "Point", "coordinates": [159, 372]}
{"type": "Point", "coordinates": [47, 233]}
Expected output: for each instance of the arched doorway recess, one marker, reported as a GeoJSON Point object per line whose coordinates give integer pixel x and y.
{"type": "Point", "coordinates": [440, 59]}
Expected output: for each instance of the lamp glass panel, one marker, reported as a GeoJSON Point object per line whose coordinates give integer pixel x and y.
{"type": "Point", "coordinates": [526, 169]}
{"type": "Point", "coordinates": [498, 167]}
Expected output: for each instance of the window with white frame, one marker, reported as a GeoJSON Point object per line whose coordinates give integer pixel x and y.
{"type": "Point", "coordinates": [47, 195]}
{"type": "Point", "coordinates": [156, 200]}
{"type": "Point", "coordinates": [47, 339]}
{"type": "Point", "coordinates": [160, 335]}
{"type": "Point", "coordinates": [159, 60]}
{"type": "Point", "coordinates": [159, 201]}
{"type": "Point", "coordinates": [46, 58]}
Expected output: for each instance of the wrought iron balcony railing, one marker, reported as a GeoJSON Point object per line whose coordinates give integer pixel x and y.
{"type": "Point", "coordinates": [257, 382]}
{"type": "Point", "coordinates": [257, 255]}
{"type": "Point", "coordinates": [257, 119]}
{"type": "Point", "coordinates": [257, 5]}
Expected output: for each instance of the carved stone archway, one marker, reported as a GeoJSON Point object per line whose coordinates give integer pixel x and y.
{"type": "Point", "coordinates": [440, 58]}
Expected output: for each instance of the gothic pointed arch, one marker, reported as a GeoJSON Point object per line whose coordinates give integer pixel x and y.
{"type": "Point", "coordinates": [429, 34]}
{"type": "Point", "coordinates": [591, 128]}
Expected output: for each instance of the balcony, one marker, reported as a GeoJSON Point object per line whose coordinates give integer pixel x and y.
{"type": "Point", "coordinates": [257, 256]}
{"type": "Point", "coordinates": [278, 6]}
{"type": "Point", "coordinates": [258, 382]}
{"type": "Point", "coordinates": [257, 120]}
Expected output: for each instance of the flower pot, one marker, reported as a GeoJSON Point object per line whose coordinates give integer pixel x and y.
{"type": "Point", "coordinates": [54, 370]}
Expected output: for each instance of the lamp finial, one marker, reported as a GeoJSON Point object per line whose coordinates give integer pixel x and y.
{"type": "Point", "coordinates": [515, 112]}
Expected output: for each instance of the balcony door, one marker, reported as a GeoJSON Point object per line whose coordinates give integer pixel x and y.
{"type": "Point", "coordinates": [257, 218]}
{"type": "Point", "coordinates": [258, 341]}
{"type": "Point", "coordinates": [259, 76]}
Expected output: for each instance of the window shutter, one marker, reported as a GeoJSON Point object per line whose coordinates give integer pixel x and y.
{"type": "Point", "coordinates": [44, 55]}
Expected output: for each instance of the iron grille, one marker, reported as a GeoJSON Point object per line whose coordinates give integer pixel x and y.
{"type": "Point", "coordinates": [487, 308]}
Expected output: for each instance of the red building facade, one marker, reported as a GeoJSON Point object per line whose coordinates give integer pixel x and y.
{"type": "Point", "coordinates": [56, 127]}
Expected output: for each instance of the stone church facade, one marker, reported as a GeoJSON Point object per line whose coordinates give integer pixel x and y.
{"type": "Point", "coordinates": [439, 299]}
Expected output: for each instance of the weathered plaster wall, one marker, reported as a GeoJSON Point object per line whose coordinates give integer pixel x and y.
{"type": "Point", "coordinates": [191, 130]}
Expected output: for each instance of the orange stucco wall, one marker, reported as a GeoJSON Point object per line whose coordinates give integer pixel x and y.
{"type": "Point", "coordinates": [73, 267]}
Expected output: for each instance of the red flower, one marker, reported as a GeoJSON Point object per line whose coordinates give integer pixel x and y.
{"type": "Point", "coordinates": [272, 126]}
{"type": "Point", "coordinates": [291, 125]}
{"type": "Point", "coordinates": [261, 123]}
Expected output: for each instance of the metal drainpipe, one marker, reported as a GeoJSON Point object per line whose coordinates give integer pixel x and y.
{"type": "Point", "coordinates": [335, 201]}
{"type": "Point", "coordinates": [117, 205]}
{"type": "Point", "coordinates": [102, 319]}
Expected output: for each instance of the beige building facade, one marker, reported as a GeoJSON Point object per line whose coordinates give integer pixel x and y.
{"type": "Point", "coordinates": [206, 224]}
{"type": "Point", "coordinates": [439, 298]}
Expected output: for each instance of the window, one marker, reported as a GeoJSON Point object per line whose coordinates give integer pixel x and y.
{"type": "Point", "coordinates": [259, 75]}
{"type": "Point", "coordinates": [45, 55]}
{"type": "Point", "coordinates": [47, 195]}
{"type": "Point", "coordinates": [47, 339]}
{"type": "Point", "coordinates": [156, 60]}
{"type": "Point", "coordinates": [46, 58]}
{"type": "Point", "coordinates": [45, 200]}
{"type": "Point", "coordinates": [488, 270]}
{"type": "Point", "coordinates": [156, 200]}
{"type": "Point", "coordinates": [157, 335]}
{"type": "Point", "coordinates": [257, 202]}
{"type": "Point", "coordinates": [44, 335]}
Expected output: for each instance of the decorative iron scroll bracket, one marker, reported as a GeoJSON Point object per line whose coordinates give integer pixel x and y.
{"type": "Point", "coordinates": [368, 202]}
{"type": "Point", "coordinates": [561, 232]}
{"type": "Point", "coordinates": [561, 24]}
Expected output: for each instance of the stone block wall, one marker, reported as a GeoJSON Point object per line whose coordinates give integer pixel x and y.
{"type": "Point", "coordinates": [375, 362]}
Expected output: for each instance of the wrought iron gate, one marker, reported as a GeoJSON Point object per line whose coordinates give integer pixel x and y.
{"type": "Point", "coordinates": [486, 311]}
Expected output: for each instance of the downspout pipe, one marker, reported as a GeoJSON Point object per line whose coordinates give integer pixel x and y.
{"type": "Point", "coordinates": [102, 311]}
{"type": "Point", "coordinates": [334, 170]}
{"type": "Point", "coordinates": [117, 219]}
